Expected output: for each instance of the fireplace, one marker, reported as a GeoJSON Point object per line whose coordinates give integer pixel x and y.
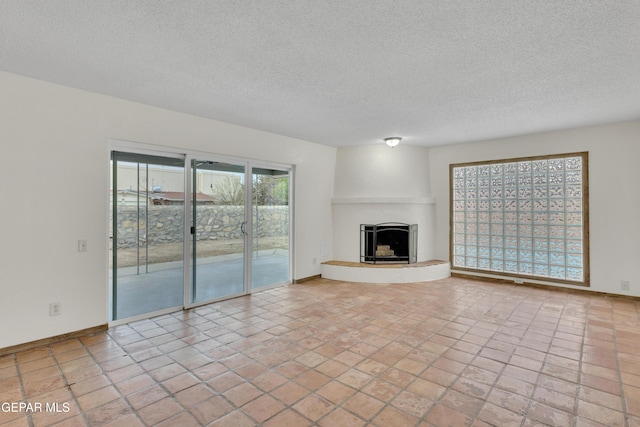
{"type": "Point", "coordinates": [389, 242]}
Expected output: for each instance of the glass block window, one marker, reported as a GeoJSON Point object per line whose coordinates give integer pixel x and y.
{"type": "Point", "coordinates": [524, 217]}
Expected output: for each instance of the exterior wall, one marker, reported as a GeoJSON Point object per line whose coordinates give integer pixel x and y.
{"type": "Point", "coordinates": [167, 179]}
{"type": "Point", "coordinates": [166, 223]}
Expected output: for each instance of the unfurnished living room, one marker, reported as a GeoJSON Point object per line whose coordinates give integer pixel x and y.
{"type": "Point", "coordinates": [291, 213]}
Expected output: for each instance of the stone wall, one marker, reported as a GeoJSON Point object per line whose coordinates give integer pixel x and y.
{"type": "Point", "coordinates": [165, 223]}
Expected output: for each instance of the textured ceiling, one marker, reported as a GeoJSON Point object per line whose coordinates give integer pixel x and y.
{"type": "Point", "coordinates": [347, 72]}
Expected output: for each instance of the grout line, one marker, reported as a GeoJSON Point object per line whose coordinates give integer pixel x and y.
{"type": "Point", "coordinates": [623, 399]}
{"type": "Point", "coordinates": [390, 316]}
{"type": "Point", "coordinates": [22, 389]}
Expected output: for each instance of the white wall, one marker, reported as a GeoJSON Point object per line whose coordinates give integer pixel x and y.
{"type": "Point", "coordinates": [614, 199]}
{"type": "Point", "coordinates": [381, 171]}
{"type": "Point", "coordinates": [376, 184]}
{"type": "Point", "coordinates": [55, 153]}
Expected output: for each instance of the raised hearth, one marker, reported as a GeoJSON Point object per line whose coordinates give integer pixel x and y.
{"type": "Point", "coordinates": [385, 273]}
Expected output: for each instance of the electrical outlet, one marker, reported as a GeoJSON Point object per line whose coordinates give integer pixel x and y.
{"type": "Point", "coordinates": [625, 285]}
{"type": "Point", "coordinates": [315, 260]}
{"type": "Point", "coordinates": [82, 246]}
{"type": "Point", "coordinates": [518, 281]}
{"type": "Point", "coordinates": [55, 309]}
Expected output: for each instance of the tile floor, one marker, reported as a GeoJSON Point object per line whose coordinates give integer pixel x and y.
{"type": "Point", "coordinates": [454, 352]}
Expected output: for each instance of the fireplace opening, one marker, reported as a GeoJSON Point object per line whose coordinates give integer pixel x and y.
{"type": "Point", "coordinates": [389, 242]}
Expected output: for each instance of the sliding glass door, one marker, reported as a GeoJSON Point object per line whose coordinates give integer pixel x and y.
{"type": "Point", "coordinates": [218, 230]}
{"type": "Point", "coordinates": [147, 233]}
{"type": "Point", "coordinates": [271, 223]}
{"type": "Point", "coordinates": [190, 229]}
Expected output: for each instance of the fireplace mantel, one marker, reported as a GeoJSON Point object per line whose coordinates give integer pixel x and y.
{"type": "Point", "coordinates": [383, 200]}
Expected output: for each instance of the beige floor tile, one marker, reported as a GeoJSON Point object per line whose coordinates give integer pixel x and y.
{"type": "Point", "coordinates": [336, 353]}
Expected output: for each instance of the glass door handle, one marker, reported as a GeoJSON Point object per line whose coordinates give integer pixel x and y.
{"type": "Point", "coordinates": [242, 227]}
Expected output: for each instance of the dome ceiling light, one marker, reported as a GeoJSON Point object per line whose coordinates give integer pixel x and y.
{"type": "Point", "coordinates": [393, 141]}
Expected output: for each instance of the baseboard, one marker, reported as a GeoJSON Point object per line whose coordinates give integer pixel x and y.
{"type": "Point", "coordinates": [306, 279]}
{"type": "Point", "coordinates": [52, 340]}
{"type": "Point", "coordinates": [581, 290]}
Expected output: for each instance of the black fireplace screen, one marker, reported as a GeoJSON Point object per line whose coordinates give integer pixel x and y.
{"type": "Point", "coordinates": [390, 242]}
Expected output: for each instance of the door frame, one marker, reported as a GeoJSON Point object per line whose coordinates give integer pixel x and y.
{"type": "Point", "coordinates": [290, 169]}
{"type": "Point", "coordinates": [187, 156]}
{"type": "Point", "coordinates": [133, 148]}
{"type": "Point", "coordinates": [189, 255]}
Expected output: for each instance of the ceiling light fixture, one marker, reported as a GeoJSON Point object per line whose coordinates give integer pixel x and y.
{"type": "Point", "coordinates": [393, 141]}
